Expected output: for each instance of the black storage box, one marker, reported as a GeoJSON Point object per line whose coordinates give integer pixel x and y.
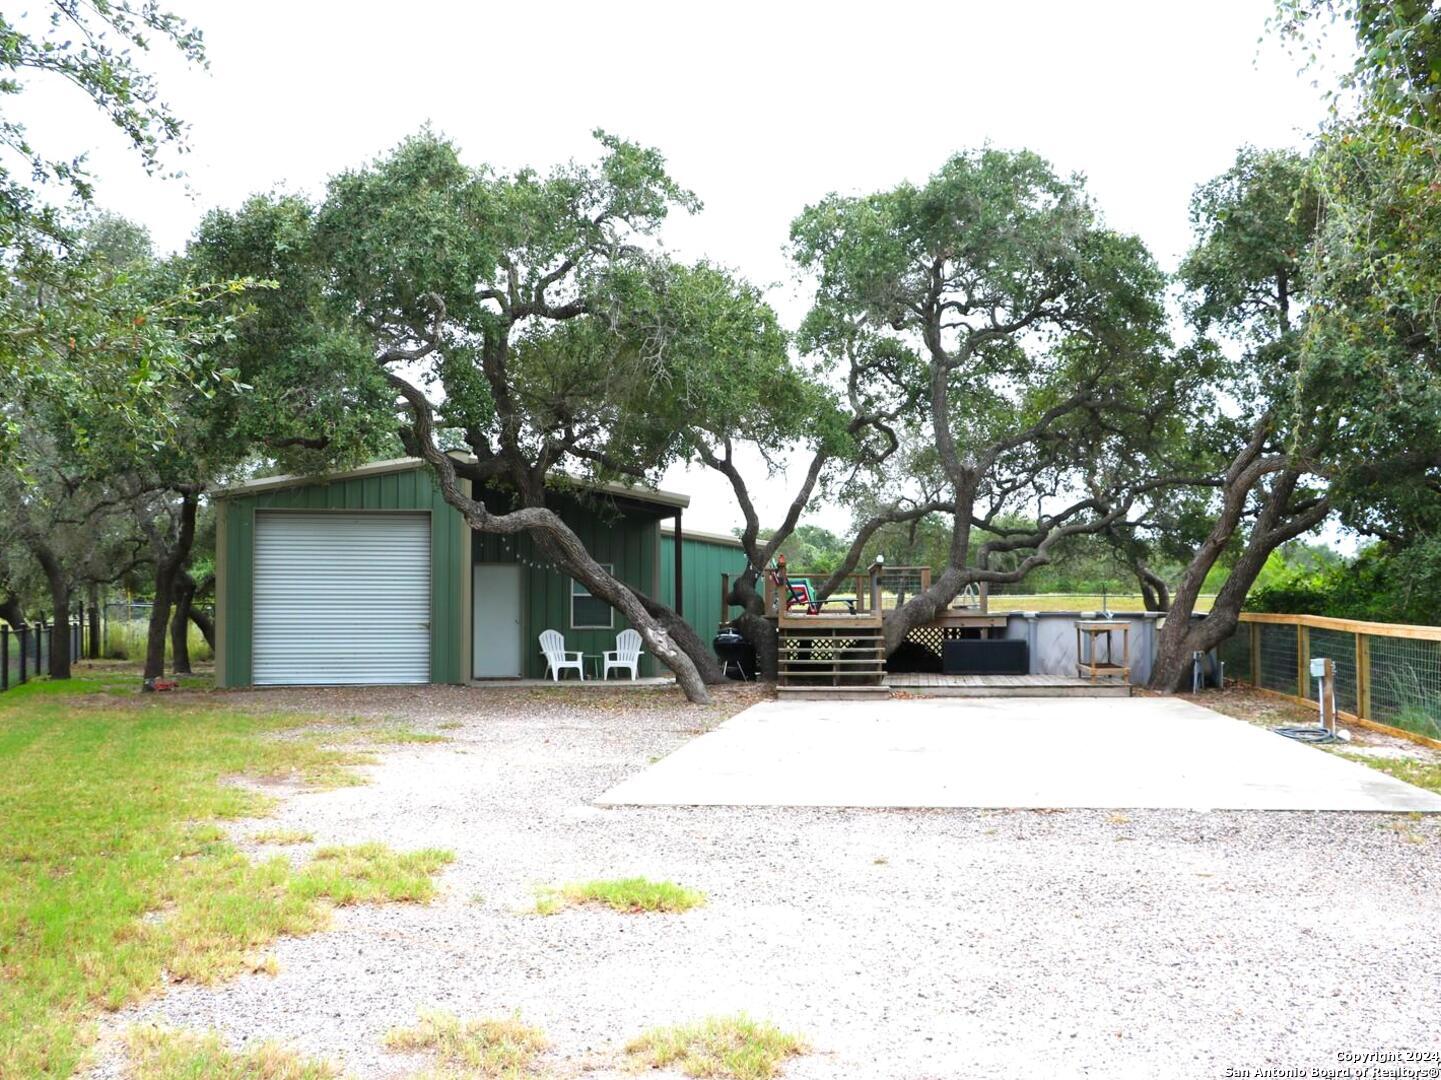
{"type": "Point", "coordinates": [985, 657]}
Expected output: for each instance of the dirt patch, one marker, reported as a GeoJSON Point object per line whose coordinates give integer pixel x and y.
{"type": "Point", "coordinates": [429, 706]}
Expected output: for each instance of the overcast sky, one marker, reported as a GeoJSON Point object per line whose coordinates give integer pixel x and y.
{"type": "Point", "coordinates": [759, 108]}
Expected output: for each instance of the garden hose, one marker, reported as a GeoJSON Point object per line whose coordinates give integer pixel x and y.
{"type": "Point", "coordinates": [1308, 734]}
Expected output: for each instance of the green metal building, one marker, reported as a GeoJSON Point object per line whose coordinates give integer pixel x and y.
{"type": "Point", "coordinates": [708, 560]}
{"type": "Point", "coordinates": [369, 577]}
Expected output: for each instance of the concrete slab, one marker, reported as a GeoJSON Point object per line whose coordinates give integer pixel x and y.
{"type": "Point", "coordinates": [1032, 752]}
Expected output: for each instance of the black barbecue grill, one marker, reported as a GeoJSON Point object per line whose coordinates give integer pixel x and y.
{"type": "Point", "coordinates": [736, 654]}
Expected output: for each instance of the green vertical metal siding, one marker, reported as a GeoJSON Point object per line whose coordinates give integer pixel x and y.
{"type": "Point", "coordinates": [412, 489]}
{"type": "Point", "coordinates": [703, 563]}
{"type": "Point", "coordinates": [627, 543]}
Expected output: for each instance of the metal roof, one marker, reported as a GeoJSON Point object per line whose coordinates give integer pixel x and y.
{"type": "Point", "coordinates": [687, 533]}
{"type": "Point", "coordinates": [638, 492]}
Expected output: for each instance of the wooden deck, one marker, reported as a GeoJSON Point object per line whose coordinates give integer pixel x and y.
{"type": "Point", "coordinates": [829, 620]}
{"type": "Point", "coordinates": [927, 684]}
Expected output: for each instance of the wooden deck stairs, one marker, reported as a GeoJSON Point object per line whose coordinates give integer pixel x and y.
{"type": "Point", "coordinates": [831, 656]}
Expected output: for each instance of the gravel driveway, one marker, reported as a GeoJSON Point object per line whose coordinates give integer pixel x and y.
{"type": "Point", "coordinates": [901, 944]}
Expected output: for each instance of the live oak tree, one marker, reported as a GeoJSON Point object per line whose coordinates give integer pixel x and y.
{"type": "Point", "coordinates": [47, 523]}
{"type": "Point", "coordinates": [725, 380]}
{"type": "Point", "coordinates": [271, 381]}
{"type": "Point", "coordinates": [90, 348]}
{"type": "Point", "coordinates": [1038, 339]}
{"type": "Point", "coordinates": [66, 327]}
{"type": "Point", "coordinates": [300, 395]}
{"type": "Point", "coordinates": [64, 535]}
{"type": "Point", "coordinates": [1263, 443]}
{"type": "Point", "coordinates": [733, 390]}
{"type": "Point", "coordinates": [509, 312]}
{"type": "Point", "coordinates": [1374, 266]}
{"type": "Point", "coordinates": [81, 440]}
{"type": "Point", "coordinates": [1330, 400]}
{"type": "Point", "coordinates": [1324, 271]}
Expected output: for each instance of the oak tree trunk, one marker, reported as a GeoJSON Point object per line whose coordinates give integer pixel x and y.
{"type": "Point", "coordinates": [12, 611]}
{"type": "Point", "coordinates": [554, 537]}
{"type": "Point", "coordinates": [55, 577]}
{"type": "Point", "coordinates": [184, 596]}
{"type": "Point", "coordinates": [169, 562]}
{"type": "Point", "coordinates": [1181, 635]}
{"type": "Point", "coordinates": [158, 628]}
{"type": "Point", "coordinates": [92, 598]}
{"type": "Point", "coordinates": [699, 650]}
{"type": "Point", "coordinates": [760, 633]}
{"type": "Point", "coordinates": [205, 624]}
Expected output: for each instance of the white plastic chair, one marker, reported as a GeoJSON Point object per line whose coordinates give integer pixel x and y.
{"type": "Point", "coordinates": [626, 654]}
{"type": "Point", "coordinates": [558, 658]}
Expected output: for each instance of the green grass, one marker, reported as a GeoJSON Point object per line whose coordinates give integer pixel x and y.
{"type": "Point", "coordinates": [504, 1049]}
{"type": "Point", "coordinates": [1423, 774]}
{"type": "Point", "coordinates": [114, 875]}
{"type": "Point", "coordinates": [157, 1054]}
{"type": "Point", "coordinates": [631, 895]}
{"type": "Point", "coordinates": [127, 641]}
{"type": "Point", "coordinates": [720, 1046]}
{"type": "Point", "coordinates": [1245, 703]}
{"type": "Point", "coordinates": [100, 680]}
{"type": "Point", "coordinates": [1419, 718]}
{"type": "Point", "coordinates": [281, 837]}
{"type": "Point", "coordinates": [400, 736]}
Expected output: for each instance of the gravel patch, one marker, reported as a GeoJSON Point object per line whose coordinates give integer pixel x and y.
{"type": "Point", "coordinates": [902, 945]}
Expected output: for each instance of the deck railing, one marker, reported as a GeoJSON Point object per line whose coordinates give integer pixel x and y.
{"type": "Point", "coordinates": [1385, 673]}
{"type": "Point", "coordinates": [898, 584]}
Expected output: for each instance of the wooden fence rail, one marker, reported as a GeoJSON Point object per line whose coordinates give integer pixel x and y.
{"type": "Point", "coordinates": [1388, 675]}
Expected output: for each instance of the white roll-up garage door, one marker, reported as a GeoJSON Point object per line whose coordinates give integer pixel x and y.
{"type": "Point", "coordinates": [341, 598]}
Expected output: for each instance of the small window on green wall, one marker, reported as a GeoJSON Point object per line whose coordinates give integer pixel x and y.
{"type": "Point", "coordinates": [589, 612]}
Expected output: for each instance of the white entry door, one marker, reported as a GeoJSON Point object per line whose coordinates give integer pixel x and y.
{"type": "Point", "coordinates": [496, 634]}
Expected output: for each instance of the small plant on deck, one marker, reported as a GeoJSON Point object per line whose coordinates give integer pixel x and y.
{"type": "Point", "coordinates": [630, 895]}
{"type": "Point", "coordinates": [502, 1049]}
{"type": "Point", "coordinates": [735, 1047]}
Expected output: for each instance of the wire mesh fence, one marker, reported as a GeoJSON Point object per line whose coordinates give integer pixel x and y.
{"type": "Point", "coordinates": [1279, 653]}
{"type": "Point", "coordinates": [127, 625]}
{"type": "Point", "coordinates": [1405, 683]}
{"type": "Point", "coordinates": [1389, 674]}
{"type": "Point", "coordinates": [28, 650]}
{"type": "Point", "coordinates": [119, 634]}
{"type": "Point", "coordinates": [1339, 647]}
{"type": "Point", "coordinates": [1235, 653]}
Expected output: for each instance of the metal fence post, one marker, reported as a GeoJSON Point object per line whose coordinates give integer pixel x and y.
{"type": "Point", "coordinates": [1255, 654]}
{"type": "Point", "coordinates": [40, 633]}
{"type": "Point", "coordinates": [4, 658]}
{"type": "Point", "coordinates": [22, 632]}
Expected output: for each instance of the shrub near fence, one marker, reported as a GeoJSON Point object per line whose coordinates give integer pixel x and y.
{"type": "Point", "coordinates": [1385, 673]}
